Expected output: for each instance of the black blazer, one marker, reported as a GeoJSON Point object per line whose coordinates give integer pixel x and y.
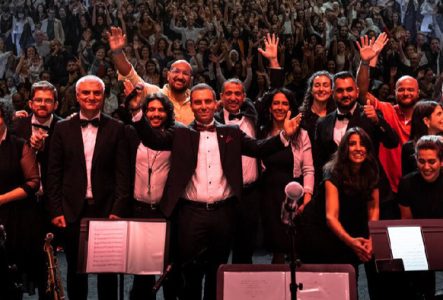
{"type": "Point", "coordinates": [184, 141]}
{"type": "Point", "coordinates": [67, 170]}
{"type": "Point", "coordinates": [22, 127]}
{"type": "Point", "coordinates": [324, 135]}
{"type": "Point", "coordinates": [408, 163]}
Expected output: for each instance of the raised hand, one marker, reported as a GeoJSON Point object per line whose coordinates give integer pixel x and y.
{"type": "Point", "coordinates": [291, 126]}
{"type": "Point", "coordinates": [380, 42]}
{"type": "Point", "coordinates": [135, 104]}
{"type": "Point", "coordinates": [271, 50]}
{"type": "Point", "coordinates": [116, 38]}
{"type": "Point", "coordinates": [365, 47]}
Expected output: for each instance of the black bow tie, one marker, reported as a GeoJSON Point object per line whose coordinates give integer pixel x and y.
{"type": "Point", "coordinates": [40, 126]}
{"type": "Point", "coordinates": [235, 116]}
{"type": "Point", "coordinates": [94, 122]}
{"type": "Point", "coordinates": [200, 127]}
{"type": "Point", "coordinates": [341, 117]}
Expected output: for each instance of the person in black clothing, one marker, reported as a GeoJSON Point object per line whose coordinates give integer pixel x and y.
{"type": "Point", "coordinates": [427, 118]}
{"type": "Point", "coordinates": [419, 196]}
{"type": "Point", "coordinates": [19, 180]}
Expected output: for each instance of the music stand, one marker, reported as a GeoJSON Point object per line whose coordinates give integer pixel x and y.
{"type": "Point", "coordinates": [247, 282]}
{"type": "Point", "coordinates": [123, 246]}
{"type": "Point", "coordinates": [432, 232]}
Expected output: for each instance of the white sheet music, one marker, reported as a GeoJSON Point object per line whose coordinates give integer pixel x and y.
{"type": "Point", "coordinates": [275, 285]}
{"type": "Point", "coordinates": [107, 246]}
{"type": "Point", "coordinates": [147, 247]}
{"type": "Point", "coordinates": [255, 286]}
{"type": "Point", "coordinates": [407, 244]}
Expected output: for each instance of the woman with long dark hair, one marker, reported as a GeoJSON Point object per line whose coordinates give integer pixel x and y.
{"type": "Point", "coordinates": [292, 163]}
{"type": "Point", "coordinates": [335, 224]}
{"type": "Point", "coordinates": [427, 119]}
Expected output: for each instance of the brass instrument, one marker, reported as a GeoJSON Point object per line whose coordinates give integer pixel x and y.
{"type": "Point", "coordinates": [55, 287]}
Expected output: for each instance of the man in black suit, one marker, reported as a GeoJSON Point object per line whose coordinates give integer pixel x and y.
{"type": "Point", "coordinates": [37, 128]}
{"type": "Point", "coordinates": [240, 111]}
{"type": "Point", "coordinates": [88, 176]}
{"type": "Point", "coordinates": [204, 182]}
{"type": "Point", "coordinates": [349, 113]}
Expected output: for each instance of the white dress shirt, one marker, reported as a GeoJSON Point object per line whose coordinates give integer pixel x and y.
{"type": "Point", "coordinates": [341, 126]}
{"type": "Point", "coordinates": [208, 183]}
{"type": "Point", "coordinates": [89, 135]}
{"type": "Point", "coordinates": [159, 162]}
{"type": "Point", "coordinates": [249, 164]}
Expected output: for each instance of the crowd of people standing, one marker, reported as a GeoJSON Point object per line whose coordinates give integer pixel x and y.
{"type": "Point", "coordinates": [201, 113]}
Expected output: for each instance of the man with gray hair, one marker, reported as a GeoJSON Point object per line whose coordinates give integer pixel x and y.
{"type": "Point", "coordinates": [88, 176]}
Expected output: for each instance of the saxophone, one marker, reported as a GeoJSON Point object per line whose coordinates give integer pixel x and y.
{"type": "Point", "coordinates": [55, 287]}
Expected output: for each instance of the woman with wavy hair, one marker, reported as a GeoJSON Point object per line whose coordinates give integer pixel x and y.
{"type": "Point", "coordinates": [317, 101]}
{"type": "Point", "coordinates": [294, 163]}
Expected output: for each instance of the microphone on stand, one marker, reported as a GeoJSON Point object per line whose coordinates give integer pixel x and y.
{"type": "Point", "coordinates": [294, 192]}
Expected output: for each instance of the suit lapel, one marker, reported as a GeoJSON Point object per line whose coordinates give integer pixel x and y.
{"type": "Point", "coordinates": [195, 138]}
{"type": "Point", "coordinates": [77, 140]}
{"type": "Point", "coordinates": [330, 124]}
{"type": "Point", "coordinates": [100, 140]}
{"type": "Point", "coordinates": [221, 136]}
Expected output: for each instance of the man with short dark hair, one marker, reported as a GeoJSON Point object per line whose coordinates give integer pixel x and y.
{"type": "Point", "coordinates": [203, 185]}
{"type": "Point", "coordinates": [240, 111]}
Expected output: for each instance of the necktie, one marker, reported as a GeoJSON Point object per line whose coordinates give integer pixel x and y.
{"type": "Point", "coordinates": [94, 122]}
{"type": "Point", "coordinates": [200, 127]}
{"type": "Point", "coordinates": [235, 116]}
{"type": "Point", "coordinates": [341, 117]}
{"type": "Point", "coordinates": [44, 127]}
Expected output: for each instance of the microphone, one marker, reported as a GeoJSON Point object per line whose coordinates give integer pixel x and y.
{"type": "Point", "coordinates": [294, 192]}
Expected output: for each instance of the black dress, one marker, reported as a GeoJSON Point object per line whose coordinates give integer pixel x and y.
{"type": "Point", "coordinates": [278, 173]}
{"type": "Point", "coordinates": [18, 169]}
{"type": "Point", "coordinates": [318, 244]}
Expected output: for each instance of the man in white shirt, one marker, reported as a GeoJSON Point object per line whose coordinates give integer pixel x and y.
{"type": "Point", "coordinates": [149, 171]}
{"type": "Point", "coordinates": [204, 183]}
{"type": "Point", "coordinates": [88, 176]}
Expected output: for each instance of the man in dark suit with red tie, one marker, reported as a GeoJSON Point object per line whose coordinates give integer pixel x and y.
{"type": "Point", "coordinates": [88, 176]}
{"type": "Point", "coordinates": [204, 183]}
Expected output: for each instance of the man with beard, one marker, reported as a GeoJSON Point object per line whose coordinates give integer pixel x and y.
{"type": "Point", "coordinates": [37, 128]}
{"type": "Point", "coordinates": [149, 171]}
{"type": "Point", "coordinates": [179, 77]}
{"type": "Point", "coordinates": [398, 116]}
{"type": "Point", "coordinates": [348, 114]}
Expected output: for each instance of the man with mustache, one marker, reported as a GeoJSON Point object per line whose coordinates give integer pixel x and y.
{"type": "Point", "coordinates": [179, 77]}
{"type": "Point", "coordinates": [149, 171]}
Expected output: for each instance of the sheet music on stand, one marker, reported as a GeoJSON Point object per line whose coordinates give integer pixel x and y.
{"type": "Point", "coordinates": [136, 246]}
{"type": "Point", "coordinates": [262, 282]}
{"type": "Point", "coordinates": [407, 243]}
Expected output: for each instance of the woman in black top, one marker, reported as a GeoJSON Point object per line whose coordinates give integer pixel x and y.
{"type": "Point", "coordinates": [19, 180]}
{"type": "Point", "coordinates": [427, 119]}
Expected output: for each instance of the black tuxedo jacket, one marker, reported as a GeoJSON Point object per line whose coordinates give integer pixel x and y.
{"type": "Point", "coordinates": [184, 142]}
{"type": "Point", "coordinates": [22, 127]}
{"type": "Point", "coordinates": [67, 181]}
{"type": "Point", "coordinates": [324, 135]}
{"type": "Point", "coordinates": [247, 109]}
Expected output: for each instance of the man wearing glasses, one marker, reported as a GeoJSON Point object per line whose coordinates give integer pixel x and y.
{"type": "Point", "coordinates": [37, 128]}
{"type": "Point", "coordinates": [179, 78]}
